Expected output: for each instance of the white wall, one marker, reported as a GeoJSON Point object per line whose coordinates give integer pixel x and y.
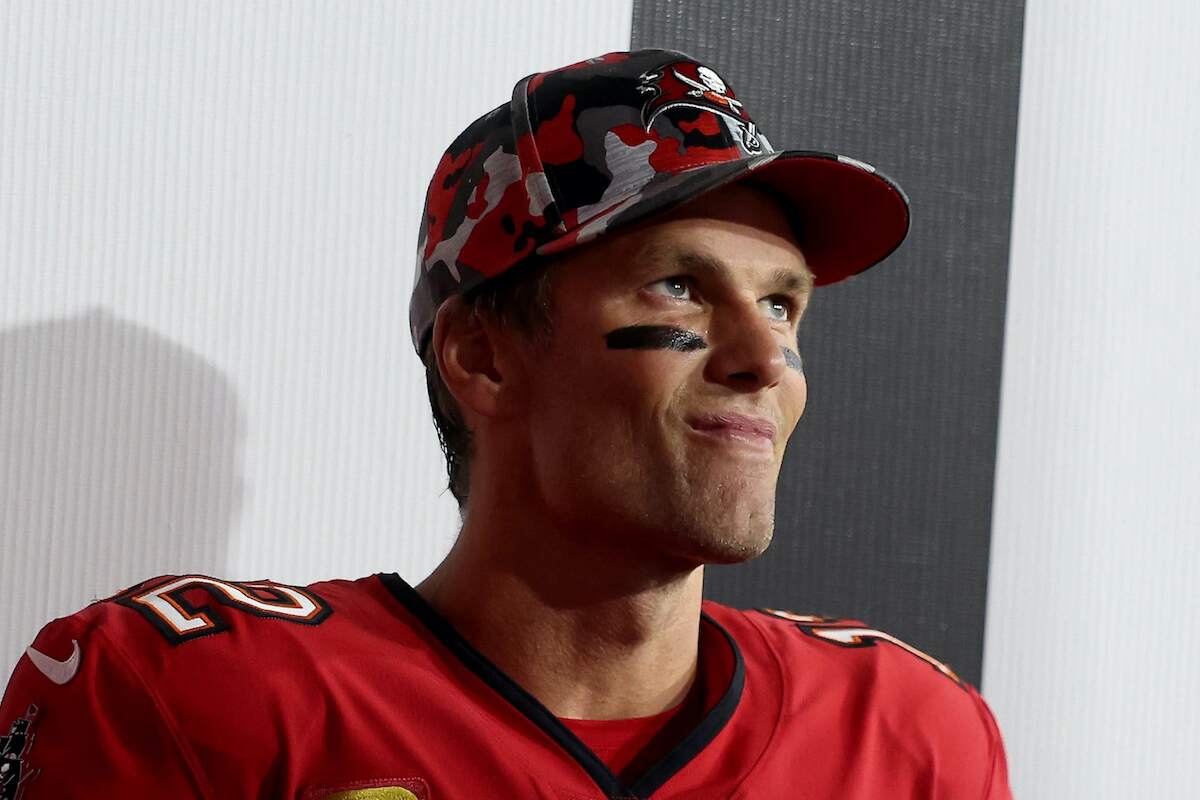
{"type": "Point", "coordinates": [208, 218]}
{"type": "Point", "coordinates": [1093, 631]}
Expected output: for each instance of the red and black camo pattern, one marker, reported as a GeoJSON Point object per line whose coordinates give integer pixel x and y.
{"type": "Point", "coordinates": [583, 149]}
{"type": "Point", "coordinates": [573, 143]}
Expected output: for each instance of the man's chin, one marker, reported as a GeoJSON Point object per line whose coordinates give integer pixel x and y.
{"type": "Point", "coordinates": [726, 545]}
{"type": "Point", "coordinates": [738, 554]}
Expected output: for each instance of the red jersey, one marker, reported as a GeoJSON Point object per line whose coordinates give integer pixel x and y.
{"type": "Point", "coordinates": [195, 687]}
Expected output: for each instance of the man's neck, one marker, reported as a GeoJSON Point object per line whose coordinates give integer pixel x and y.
{"type": "Point", "coordinates": [575, 630]}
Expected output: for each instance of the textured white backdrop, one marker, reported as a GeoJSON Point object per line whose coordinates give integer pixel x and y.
{"type": "Point", "coordinates": [1093, 625]}
{"type": "Point", "coordinates": [208, 218]}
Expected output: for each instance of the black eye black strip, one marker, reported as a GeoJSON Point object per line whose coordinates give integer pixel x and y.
{"type": "Point", "coordinates": [666, 337]}
{"type": "Point", "coordinates": [654, 337]}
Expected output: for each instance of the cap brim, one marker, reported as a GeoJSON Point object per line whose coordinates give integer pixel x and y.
{"type": "Point", "coordinates": [847, 216]}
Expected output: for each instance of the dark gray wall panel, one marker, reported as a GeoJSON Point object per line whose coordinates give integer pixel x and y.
{"type": "Point", "coordinates": [885, 500]}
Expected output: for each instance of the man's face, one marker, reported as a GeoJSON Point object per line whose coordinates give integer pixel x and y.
{"type": "Point", "coordinates": [646, 339]}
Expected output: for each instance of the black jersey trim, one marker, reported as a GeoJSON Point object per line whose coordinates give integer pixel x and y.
{"type": "Point", "coordinates": [707, 730]}
{"type": "Point", "coordinates": [612, 786]}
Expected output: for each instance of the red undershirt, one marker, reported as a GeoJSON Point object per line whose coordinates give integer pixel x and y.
{"type": "Point", "coordinates": [631, 746]}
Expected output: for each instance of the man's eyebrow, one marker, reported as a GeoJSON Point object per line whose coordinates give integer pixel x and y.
{"type": "Point", "coordinates": [695, 261]}
{"type": "Point", "coordinates": [791, 280]}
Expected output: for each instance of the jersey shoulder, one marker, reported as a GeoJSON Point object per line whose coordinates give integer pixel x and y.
{"type": "Point", "coordinates": [818, 633]}
{"type": "Point", "coordinates": [168, 617]}
{"type": "Point", "coordinates": [934, 715]}
{"type": "Point", "coordinates": [156, 687]}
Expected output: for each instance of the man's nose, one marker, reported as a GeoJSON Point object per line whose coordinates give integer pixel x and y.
{"type": "Point", "coordinates": [745, 348]}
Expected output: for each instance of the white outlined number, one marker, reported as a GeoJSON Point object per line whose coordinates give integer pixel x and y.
{"type": "Point", "coordinates": [843, 634]}
{"type": "Point", "coordinates": [180, 620]}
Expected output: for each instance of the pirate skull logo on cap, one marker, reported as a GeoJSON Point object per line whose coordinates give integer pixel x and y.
{"type": "Point", "coordinates": [673, 86]}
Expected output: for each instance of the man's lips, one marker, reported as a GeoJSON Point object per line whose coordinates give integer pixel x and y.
{"type": "Point", "coordinates": [736, 424]}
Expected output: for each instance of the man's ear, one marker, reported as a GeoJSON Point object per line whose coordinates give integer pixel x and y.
{"type": "Point", "coordinates": [476, 360]}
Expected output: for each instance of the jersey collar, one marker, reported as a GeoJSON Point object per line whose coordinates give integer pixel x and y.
{"type": "Point", "coordinates": [725, 684]}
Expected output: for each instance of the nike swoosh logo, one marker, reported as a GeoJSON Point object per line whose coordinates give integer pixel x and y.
{"type": "Point", "coordinates": [58, 671]}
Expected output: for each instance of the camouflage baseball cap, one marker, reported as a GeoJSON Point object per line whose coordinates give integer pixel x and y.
{"type": "Point", "coordinates": [605, 142]}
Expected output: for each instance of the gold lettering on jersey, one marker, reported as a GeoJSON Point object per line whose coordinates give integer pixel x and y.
{"type": "Point", "coordinates": [374, 789]}
{"type": "Point", "coordinates": [378, 793]}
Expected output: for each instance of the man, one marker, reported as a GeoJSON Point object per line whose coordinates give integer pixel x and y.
{"type": "Point", "coordinates": [611, 271]}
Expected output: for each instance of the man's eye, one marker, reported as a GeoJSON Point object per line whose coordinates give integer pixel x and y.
{"type": "Point", "coordinates": [675, 281]}
{"type": "Point", "coordinates": [783, 303]}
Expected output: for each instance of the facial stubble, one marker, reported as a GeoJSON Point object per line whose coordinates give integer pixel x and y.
{"type": "Point", "coordinates": [724, 541]}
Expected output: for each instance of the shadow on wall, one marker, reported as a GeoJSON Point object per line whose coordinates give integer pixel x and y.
{"type": "Point", "coordinates": [119, 454]}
